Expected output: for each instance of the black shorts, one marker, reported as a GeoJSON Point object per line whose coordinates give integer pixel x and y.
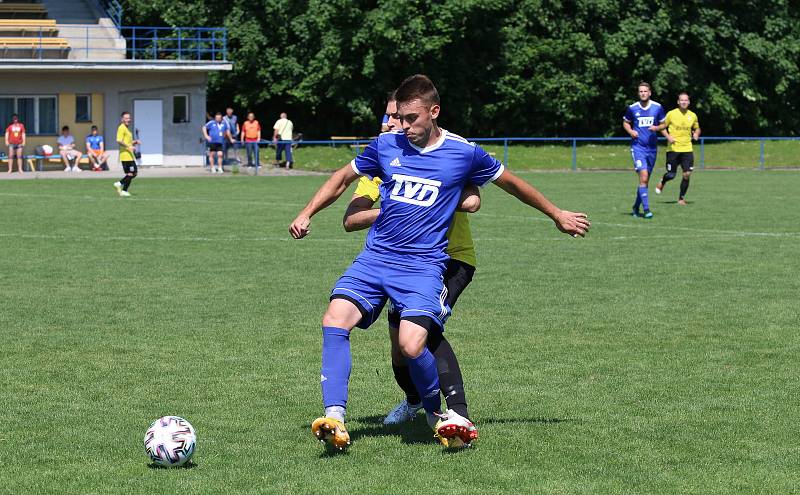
{"type": "Point", "coordinates": [130, 167]}
{"type": "Point", "coordinates": [214, 147]}
{"type": "Point", "coordinates": [683, 158]}
{"type": "Point", "coordinates": [457, 277]}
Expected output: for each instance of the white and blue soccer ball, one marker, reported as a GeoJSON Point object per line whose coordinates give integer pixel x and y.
{"type": "Point", "coordinates": [170, 441]}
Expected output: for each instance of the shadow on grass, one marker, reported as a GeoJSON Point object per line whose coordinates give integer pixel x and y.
{"type": "Point", "coordinates": [188, 465]}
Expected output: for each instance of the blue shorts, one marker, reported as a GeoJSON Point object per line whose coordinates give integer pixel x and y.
{"type": "Point", "coordinates": [413, 291]}
{"type": "Point", "coordinates": [643, 159]}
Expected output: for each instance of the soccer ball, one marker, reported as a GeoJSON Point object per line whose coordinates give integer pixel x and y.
{"type": "Point", "coordinates": [170, 441]}
{"type": "Point", "coordinates": [47, 150]}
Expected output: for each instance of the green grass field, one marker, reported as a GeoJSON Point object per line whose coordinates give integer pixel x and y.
{"type": "Point", "coordinates": [651, 357]}
{"type": "Point", "coordinates": [615, 155]}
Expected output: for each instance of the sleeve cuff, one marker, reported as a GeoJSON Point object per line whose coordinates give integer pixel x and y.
{"type": "Point", "coordinates": [495, 176]}
{"type": "Point", "coordinates": [357, 171]}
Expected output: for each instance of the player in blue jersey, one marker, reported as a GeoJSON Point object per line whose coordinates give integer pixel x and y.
{"type": "Point", "coordinates": [641, 122]}
{"type": "Point", "coordinates": [424, 170]}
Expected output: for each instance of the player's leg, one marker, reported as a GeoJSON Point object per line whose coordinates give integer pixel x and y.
{"type": "Point", "coordinates": [456, 278]}
{"type": "Point", "coordinates": [10, 156]}
{"type": "Point", "coordinates": [407, 409]}
{"type": "Point", "coordinates": [132, 170]}
{"type": "Point", "coordinates": [672, 163]}
{"type": "Point", "coordinates": [356, 300]}
{"type": "Point", "coordinates": [640, 167]}
{"type": "Point", "coordinates": [289, 155]}
{"type": "Point", "coordinates": [687, 165]}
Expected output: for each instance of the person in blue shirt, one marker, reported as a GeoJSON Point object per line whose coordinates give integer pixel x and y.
{"type": "Point", "coordinates": [216, 132]}
{"type": "Point", "coordinates": [424, 169]}
{"type": "Point", "coordinates": [641, 122]}
{"type": "Point", "coordinates": [96, 150]}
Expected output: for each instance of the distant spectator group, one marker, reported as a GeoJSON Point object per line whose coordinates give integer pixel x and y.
{"type": "Point", "coordinates": [16, 139]}
{"type": "Point", "coordinates": [223, 132]}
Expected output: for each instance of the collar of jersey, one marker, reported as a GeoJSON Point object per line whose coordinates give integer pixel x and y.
{"type": "Point", "coordinates": [431, 147]}
{"type": "Point", "coordinates": [649, 102]}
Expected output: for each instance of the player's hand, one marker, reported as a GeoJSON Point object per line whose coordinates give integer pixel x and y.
{"type": "Point", "coordinates": [574, 224]}
{"type": "Point", "coordinates": [300, 227]}
{"type": "Point", "coordinates": [634, 135]}
{"type": "Point", "coordinates": [670, 139]}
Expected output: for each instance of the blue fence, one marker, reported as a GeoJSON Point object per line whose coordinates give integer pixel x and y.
{"type": "Point", "coordinates": [574, 144]}
{"type": "Point", "coordinates": [141, 43]}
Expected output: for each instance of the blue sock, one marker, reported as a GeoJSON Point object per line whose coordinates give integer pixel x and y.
{"type": "Point", "coordinates": [425, 376]}
{"type": "Point", "coordinates": [643, 195]}
{"type": "Point", "coordinates": [336, 365]}
{"type": "Point", "coordinates": [637, 202]}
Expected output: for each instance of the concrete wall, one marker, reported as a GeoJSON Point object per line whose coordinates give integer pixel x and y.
{"type": "Point", "coordinates": [115, 92]}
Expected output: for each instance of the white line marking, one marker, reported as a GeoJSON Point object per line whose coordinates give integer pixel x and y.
{"type": "Point", "coordinates": [653, 226]}
{"type": "Point", "coordinates": [112, 197]}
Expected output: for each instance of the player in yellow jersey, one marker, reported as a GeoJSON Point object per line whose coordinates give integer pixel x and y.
{"type": "Point", "coordinates": [681, 127]}
{"type": "Point", "coordinates": [361, 214]}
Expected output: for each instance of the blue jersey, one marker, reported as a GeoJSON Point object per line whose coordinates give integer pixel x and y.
{"type": "Point", "coordinates": [94, 141]}
{"type": "Point", "coordinates": [640, 120]}
{"type": "Point", "coordinates": [420, 192]}
{"type": "Point", "coordinates": [216, 131]}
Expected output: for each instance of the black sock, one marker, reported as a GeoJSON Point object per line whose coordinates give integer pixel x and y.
{"type": "Point", "coordinates": [403, 378]}
{"type": "Point", "coordinates": [667, 177]}
{"type": "Point", "coordinates": [684, 188]}
{"type": "Point", "coordinates": [124, 182]}
{"type": "Point", "coordinates": [127, 182]}
{"type": "Point", "coordinates": [450, 380]}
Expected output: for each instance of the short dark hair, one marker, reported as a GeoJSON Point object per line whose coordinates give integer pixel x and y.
{"type": "Point", "coordinates": [124, 114]}
{"type": "Point", "coordinates": [14, 115]}
{"type": "Point", "coordinates": [683, 93]}
{"type": "Point", "coordinates": [417, 87]}
{"type": "Point", "coordinates": [65, 128]}
{"type": "Point", "coordinates": [218, 113]}
{"type": "Point", "coordinates": [391, 96]}
{"type": "Point", "coordinates": [645, 84]}
{"type": "Point", "coordinates": [94, 128]}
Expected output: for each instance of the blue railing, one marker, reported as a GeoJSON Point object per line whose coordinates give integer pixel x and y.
{"type": "Point", "coordinates": [141, 43]}
{"type": "Point", "coordinates": [178, 43]}
{"type": "Point", "coordinates": [573, 142]}
{"type": "Point", "coordinates": [112, 8]}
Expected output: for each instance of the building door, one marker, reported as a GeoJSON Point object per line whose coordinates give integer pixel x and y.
{"type": "Point", "coordinates": [149, 121]}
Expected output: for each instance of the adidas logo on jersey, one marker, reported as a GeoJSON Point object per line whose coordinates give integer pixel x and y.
{"type": "Point", "coordinates": [415, 190]}
{"type": "Point", "coordinates": [395, 163]}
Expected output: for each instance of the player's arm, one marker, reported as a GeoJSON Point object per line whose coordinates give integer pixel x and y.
{"type": "Point", "coordinates": [470, 200]}
{"type": "Point", "coordinates": [575, 224]}
{"type": "Point", "coordinates": [324, 197]}
{"type": "Point", "coordinates": [205, 134]}
{"type": "Point", "coordinates": [360, 213]}
{"type": "Point", "coordinates": [631, 132]}
{"type": "Point", "coordinates": [696, 132]}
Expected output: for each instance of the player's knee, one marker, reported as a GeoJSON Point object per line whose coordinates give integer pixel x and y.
{"type": "Point", "coordinates": [670, 175]}
{"type": "Point", "coordinates": [686, 175]}
{"type": "Point", "coordinates": [411, 349]}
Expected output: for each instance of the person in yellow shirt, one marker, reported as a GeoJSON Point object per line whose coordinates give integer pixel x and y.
{"type": "Point", "coordinates": [360, 215]}
{"type": "Point", "coordinates": [127, 152]}
{"type": "Point", "coordinates": [681, 127]}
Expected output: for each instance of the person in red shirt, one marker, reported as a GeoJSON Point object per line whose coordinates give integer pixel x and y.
{"type": "Point", "coordinates": [251, 135]}
{"type": "Point", "coordinates": [15, 139]}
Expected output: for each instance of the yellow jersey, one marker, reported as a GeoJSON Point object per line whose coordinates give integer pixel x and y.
{"type": "Point", "coordinates": [680, 126]}
{"type": "Point", "coordinates": [125, 136]}
{"type": "Point", "coordinates": [459, 236]}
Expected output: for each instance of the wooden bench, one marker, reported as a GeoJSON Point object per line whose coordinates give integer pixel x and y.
{"type": "Point", "coordinates": [26, 10]}
{"type": "Point", "coordinates": [52, 159]}
{"type": "Point", "coordinates": [33, 47]}
{"type": "Point", "coordinates": [28, 31]}
{"type": "Point", "coordinates": [28, 22]}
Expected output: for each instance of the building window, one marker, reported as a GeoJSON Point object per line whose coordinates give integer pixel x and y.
{"type": "Point", "coordinates": [180, 109]}
{"type": "Point", "coordinates": [38, 113]}
{"type": "Point", "coordinates": [83, 108]}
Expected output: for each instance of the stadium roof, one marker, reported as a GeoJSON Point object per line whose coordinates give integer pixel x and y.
{"type": "Point", "coordinates": [114, 65]}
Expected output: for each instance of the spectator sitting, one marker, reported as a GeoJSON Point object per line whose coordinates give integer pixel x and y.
{"type": "Point", "coordinates": [96, 150]}
{"type": "Point", "coordinates": [66, 148]}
